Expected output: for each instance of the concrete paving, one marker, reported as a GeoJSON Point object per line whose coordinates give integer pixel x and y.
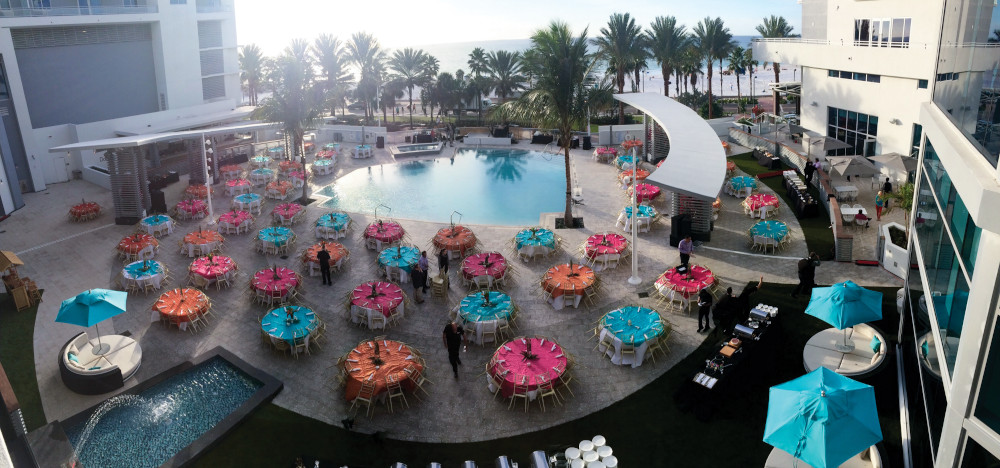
{"type": "Point", "coordinates": [66, 258]}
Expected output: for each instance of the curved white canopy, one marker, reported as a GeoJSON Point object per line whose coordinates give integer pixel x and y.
{"type": "Point", "coordinates": [696, 165]}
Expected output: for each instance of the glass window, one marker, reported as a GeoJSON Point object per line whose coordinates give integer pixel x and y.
{"type": "Point", "coordinates": [963, 229]}
{"type": "Point", "coordinates": [897, 31]}
{"type": "Point", "coordinates": [934, 402]}
{"type": "Point", "coordinates": [922, 84]}
{"type": "Point", "coordinates": [846, 75]}
{"type": "Point", "coordinates": [988, 406]}
{"type": "Point", "coordinates": [874, 78]}
{"type": "Point", "coordinates": [852, 128]}
{"type": "Point", "coordinates": [977, 456]}
{"type": "Point", "coordinates": [918, 130]}
{"type": "Point", "coordinates": [833, 73]}
{"type": "Point", "coordinates": [886, 24]}
{"type": "Point", "coordinates": [875, 31]}
{"type": "Point", "coordinates": [178, 2]}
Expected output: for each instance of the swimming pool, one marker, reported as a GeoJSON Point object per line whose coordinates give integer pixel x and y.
{"type": "Point", "coordinates": [488, 186]}
{"type": "Point", "coordinates": [418, 149]}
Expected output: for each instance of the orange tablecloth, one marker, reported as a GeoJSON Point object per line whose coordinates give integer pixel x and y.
{"type": "Point", "coordinates": [458, 238]}
{"type": "Point", "coordinates": [730, 166]}
{"type": "Point", "coordinates": [286, 166]}
{"type": "Point", "coordinates": [196, 191]}
{"type": "Point", "coordinates": [628, 144]}
{"type": "Point", "coordinates": [754, 202]}
{"type": "Point", "coordinates": [84, 209]}
{"type": "Point", "coordinates": [230, 168]}
{"type": "Point", "coordinates": [560, 280]}
{"type": "Point", "coordinates": [336, 250]}
{"type": "Point", "coordinates": [396, 357]}
{"type": "Point", "coordinates": [642, 174]}
{"type": "Point", "coordinates": [281, 186]}
{"type": "Point", "coordinates": [135, 243]}
{"type": "Point", "coordinates": [212, 267]}
{"type": "Point", "coordinates": [202, 237]}
{"type": "Point", "coordinates": [182, 305]}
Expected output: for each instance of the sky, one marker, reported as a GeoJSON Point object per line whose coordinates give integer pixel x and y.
{"type": "Point", "coordinates": [398, 23]}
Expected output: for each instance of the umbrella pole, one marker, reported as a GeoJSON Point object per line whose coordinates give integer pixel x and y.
{"type": "Point", "coordinates": [100, 345]}
{"type": "Point", "coordinates": [847, 346]}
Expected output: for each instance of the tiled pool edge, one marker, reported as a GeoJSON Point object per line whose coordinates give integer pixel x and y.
{"type": "Point", "coordinates": [268, 390]}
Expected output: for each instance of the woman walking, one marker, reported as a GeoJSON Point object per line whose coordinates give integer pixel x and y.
{"type": "Point", "coordinates": [879, 203]}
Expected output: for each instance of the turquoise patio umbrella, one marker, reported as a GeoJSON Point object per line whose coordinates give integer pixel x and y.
{"type": "Point", "coordinates": [845, 305]}
{"type": "Point", "coordinates": [91, 307]}
{"type": "Point", "coordinates": [822, 418]}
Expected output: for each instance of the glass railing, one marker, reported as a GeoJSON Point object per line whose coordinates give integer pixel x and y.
{"type": "Point", "coordinates": [212, 6]}
{"type": "Point", "coordinates": [78, 11]}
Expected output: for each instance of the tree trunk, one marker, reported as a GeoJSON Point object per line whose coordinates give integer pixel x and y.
{"type": "Point", "coordinates": [739, 94]}
{"type": "Point", "coordinates": [677, 82]}
{"type": "Point", "coordinates": [410, 94]}
{"type": "Point", "coordinates": [638, 74]}
{"type": "Point", "coordinates": [777, 74]}
{"type": "Point", "coordinates": [709, 90]}
{"type": "Point", "coordinates": [621, 106]}
{"type": "Point", "coordinates": [722, 90]}
{"type": "Point", "coordinates": [667, 73]}
{"type": "Point", "coordinates": [568, 216]}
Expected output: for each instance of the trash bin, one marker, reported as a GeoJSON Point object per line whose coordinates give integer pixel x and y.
{"type": "Point", "coordinates": [586, 143]}
{"type": "Point", "coordinates": [380, 142]}
{"type": "Point", "coordinates": [158, 201]}
{"type": "Point", "coordinates": [77, 174]}
{"type": "Point", "coordinates": [408, 138]}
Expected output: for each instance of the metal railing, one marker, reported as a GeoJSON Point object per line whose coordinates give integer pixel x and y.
{"type": "Point", "coordinates": [78, 11]}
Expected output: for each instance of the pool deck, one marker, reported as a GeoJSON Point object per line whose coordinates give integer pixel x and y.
{"type": "Point", "coordinates": [65, 258]}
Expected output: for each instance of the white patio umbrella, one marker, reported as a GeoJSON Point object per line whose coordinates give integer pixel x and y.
{"type": "Point", "coordinates": [852, 166]}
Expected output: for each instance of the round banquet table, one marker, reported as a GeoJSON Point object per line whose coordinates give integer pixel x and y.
{"type": "Point", "coordinates": [288, 166]}
{"type": "Point", "coordinates": [261, 176]}
{"type": "Point", "coordinates": [338, 253]}
{"type": "Point", "coordinates": [327, 153]}
{"type": "Point", "coordinates": [333, 225]}
{"type": "Point", "coordinates": [331, 146]}
{"type": "Point", "coordinates": [277, 325]}
{"type": "Point", "coordinates": [387, 300]}
{"type": "Point", "coordinates": [474, 313]}
{"type": "Point", "coordinates": [260, 161]}
{"type": "Point", "coordinates": [754, 203]}
{"type": "Point", "coordinates": [230, 171]}
{"type": "Point", "coordinates": [629, 144]}
{"type": "Point", "coordinates": [212, 267]}
{"type": "Point", "coordinates": [398, 261]}
{"type": "Point", "coordinates": [322, 166]}
{"type": "Point", "coordinates": [535, 241]}
{"type": "Point", "coordinates": [237, 186]}
{"type": "Point", "coordinates": [630, 326]}
{"type": "Point", "coordinates": [624, 162]}
{"type": "Point", "coordinates": [202, 242]}
{"type": "Point", "coordinates": [362, 151]}
{"type": "Point", "coordinates": [275, 236]}
{"type": "Point", "coordinates": [647, 214]}
{"type": "Point", "coordinates": [383, 232]}
{"type": "Point", "coordinates": [644, 192]}
{"type": "Point", "coordinates": [297, 177]}
{"type": "Point", "coordinates": [139, 246]}
{"type": "Point", "coordinates": [286, 213]}
{"type": "Point", "coordinates": [235, 221]}
{"type": "Point", "coordinates": [604, 153]}
{"type": "Point", "coordinates": [196, 191]}
{"type": "Point", "coordinates": [605, 249]}
{"type": "Point", "coordinates": [456, 239]}
{"type": "Point", "coordinates": [278, 189]}
{"type": "Point", "coordinates": [277, 150]}
{"type": "Point", "coordinates": [484, 269]}
{"type": "Point", "coordinates": [85, 211]}
{"type": "Point", "coordinates": [248, 202]}
{"type": "Point", "coordinates": [775, 230]}
{"type": "Point", "coordinates": [671, 282]}
{"type": "Point", "coordinates": [730, 167]}
{"type": "Point", "coordinates": [626, 176]}
{"type": "Point", "coordinates": [510, 368]}
{"type": "Point", "coordinates": [157, 224]}
{"type": "Point", "coordinates": [566, 285]}
{"type": "Point", "coordinates": [144, 272]}
{"type": "Point", "coordinates": [739, 183]}
{"type": "Point", "coordinates": [180, 306]}
{"type": "Point", "coordinates": [396, 358]}
{"type": "Point", "coordinates": [276, 285]}
{"type": "Point", "coordinates": [193, 208]}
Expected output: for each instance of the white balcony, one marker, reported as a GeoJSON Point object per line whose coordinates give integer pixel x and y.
{"type": "Point", "coordinates": [22, 9]}
{"type": "Point", "coordinates": [916, 60]}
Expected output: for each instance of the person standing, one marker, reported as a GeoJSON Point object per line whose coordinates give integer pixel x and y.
{"type": "Point", "coordinates": [425, 266]}
{"type": "Point", "coordinates": [324, 265]}
{"type": "Point", "coordinates": [807, 274]}
{"type": "Point", "coordinates": [704, 307]}
{"type": "Point", "coordinates": [743, 302]}
{"type": "Point", "coordinates": [879, 204]}
{"type": "Point", "coordinates": [887, 186]}
{"type": "Point", "coordinates": [454, 337]}
{"type": "Point", "coordinates": [686, 248]}
{"type": "Point", "coordinates": [809, 170]}
{"type": "Point", "coordinates": [443, 262]}
{"type": "Point", "coordinates": [724, 313]}
{"type": "Point", "coordinates": [419, 279]}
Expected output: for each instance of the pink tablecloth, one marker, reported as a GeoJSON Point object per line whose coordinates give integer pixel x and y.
{"type": "Point", "coordinates": [235, 217]}
{"type": "Point", "coordinates": [237, 183]}
{"type": "Point", "coordinates": [297, 175]}
{"type": "Point", "coordinates": [754, 202]}
{"type": "Point", "coordinates": [476, 265]}
{"type": "Point", "coordinates": [388, 297]}
{"type": "Point", "coordinates": [700, 277]}
{"type": "Point", "coordinates": [212, 267]}
{"type": "Point", "coordinates": [646, 192]}
{"type": "Point", "coordinates": [386, 231]}
{"type": "Point", "coordinates": [230, 168]}
{"type": "Point", "coordinates": [605, 244]}
{"type": "Point", "coordinates": [511, 368]}
{"type": "Point", "coordinates": [287, 210]}
{"type": "Point", "coordinates": [265, 281]}
{"type": "Point", "coordinates": [193, 206]}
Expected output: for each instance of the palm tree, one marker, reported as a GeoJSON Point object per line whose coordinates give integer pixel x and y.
{"type": "Point", "coordinates": [410, 68]}
{"type": "Point", "coordinates": [329, 53]}
{"type": "Point", "coordinates": [252, 65]}
{"type": "Point", "coordinates": [711, 37]}
{"type": "Point", "coordinates": [724, 50]}
{"type": "Point", "coordinates": [558, 97]}
{"type": "Point", "coordinates": [737, 63]}
{"type": "Point", "coordinates": [366, 54]}
{"type": "Point", "coordinates": [446, 93]}
{"type": "Point", "coordinates": [666, 42]}
{"type": "Point", "coordinates": [776, 27]}
{"type": "Point", "coordinates": [618, 45]}
{"type": "Point", "coordinates": [299, 49]}
{"type": "Point", "coordinates": [750, 64]}
{"type": "Point", "coordinates": [295, 103]}
{"type": "Point", "coordinates": [691, 64]}
{"type": "Point", "coordinates": [478, 65]}
{"type": "Point", "coordinates": [505, 73]}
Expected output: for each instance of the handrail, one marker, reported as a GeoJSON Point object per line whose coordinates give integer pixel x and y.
{"type": "Point", "coordinates": [79, 10]}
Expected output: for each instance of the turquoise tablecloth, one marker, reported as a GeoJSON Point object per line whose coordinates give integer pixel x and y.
{"type": "Point", "coordinates": [622, 161]}
{"type": "Point", "coordinates": [155, 220]}
{"type": "Point", "coordinates": [274, 323]}
{"type": "Point", "coordinates": [645, 211]}
{"type": "Point", "coordinates": [322, 162]}
{"type": "Point", "coordinates": [248, 198]}
{"type": "Point", "coordinates": [135, 270]}
{"type": "Point", "coordinates": [474, 309]}
{"type": "Point", "coordinates": [645, 324]}
{"type": "Point", "coordinates": [336, 221]}
{"type": "Point", "coordinates": [776, 230]}
{"type": "Point", "coordinates": [263, 172]}
{"type": "Point", "coordinates": [261, 159]}
{"type": "Point", "coordinates": [739, 182]}
{"type": "Point", "coordinates": [331, 146]}
{"type": "Point", "coordinates": [276, 235]}
{"type": "Point", "coordinates": [542, 237]}
{"type": "Point", "coordinates": [277, 149]}
{"type": "Point", "coordinates": [403, 258]}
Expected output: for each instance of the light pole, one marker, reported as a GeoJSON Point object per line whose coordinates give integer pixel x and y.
{"type": "Point", "coordinates": [634, 279]}
{"type": "Point", "coordinates": [208, 183]}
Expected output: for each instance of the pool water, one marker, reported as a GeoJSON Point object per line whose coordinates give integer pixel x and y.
{"type": "Point", "coordinates": [488, 186]}
{"type": "Point", "coordinates": [148, 429]}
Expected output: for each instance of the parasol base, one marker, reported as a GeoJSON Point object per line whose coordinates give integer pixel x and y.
{"type": "Point", "coordinates": [101, 349]}
{"type": "Point", "coordinates": [844, 348]}
{"type": "Point", "coordinates": [634, 280]}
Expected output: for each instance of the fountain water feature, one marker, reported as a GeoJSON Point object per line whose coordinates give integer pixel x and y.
{"type": "Point", "coordinates": [108, 405]}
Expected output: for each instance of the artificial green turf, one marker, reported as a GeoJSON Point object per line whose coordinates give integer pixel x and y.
{"type": "Point", "coordinates": [17, 329]}
{"type": "Point", "coordinates": [819, 236]}
{"type": "Point", "coordinates": [645, 429]}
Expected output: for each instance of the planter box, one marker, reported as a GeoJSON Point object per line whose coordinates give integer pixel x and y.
{"type": "Point", "coordinates": [894, 259]}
